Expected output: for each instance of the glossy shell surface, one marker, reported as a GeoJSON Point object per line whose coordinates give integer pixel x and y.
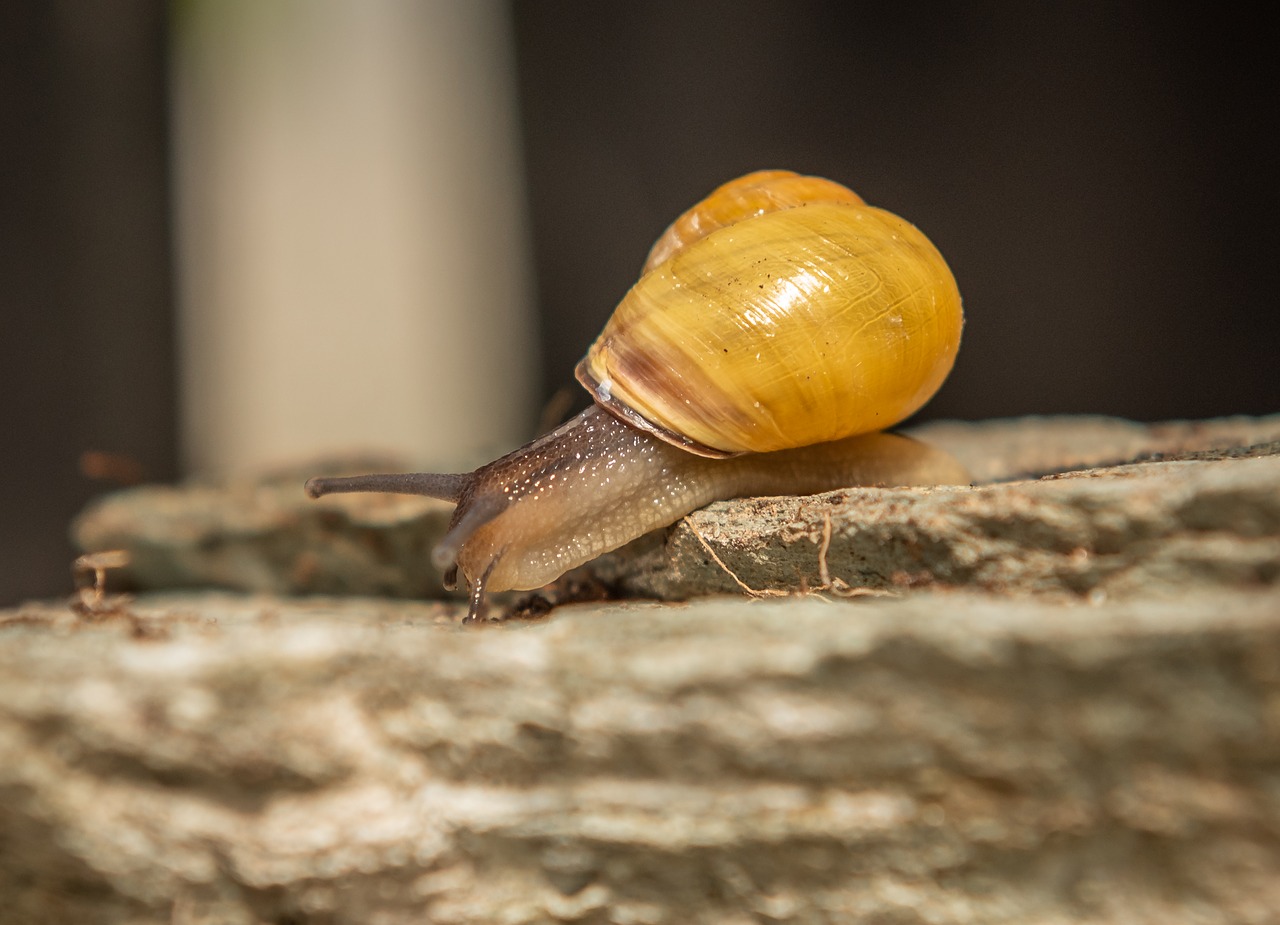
{"type": "Point", "coordinates": [768, 320]}
{"type": "Point", "coordinates": [747, 196]}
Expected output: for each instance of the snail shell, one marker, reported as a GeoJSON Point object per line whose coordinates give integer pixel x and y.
{"type": "Point", "coordinates": [792, 311]}
{"type": "Point", "coordinates": [776, 327]}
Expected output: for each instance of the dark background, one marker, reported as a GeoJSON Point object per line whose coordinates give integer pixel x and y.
{"type": "Point", "coordinates": [1099, 176]}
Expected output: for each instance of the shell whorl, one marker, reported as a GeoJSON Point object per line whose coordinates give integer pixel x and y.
{"type": "Point", "coordinates": [753, 194]}
{"type": "Point", "coordinates": [782, 311]}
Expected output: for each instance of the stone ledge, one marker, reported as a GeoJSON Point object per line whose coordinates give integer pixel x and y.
{"type": "Point", "coordinates": [1208, 512]}
{"type": "Point", "coordinates": [1148, 527]}
{"type": "Point", "coordinates": [942, 757]}
{"type": "Point", "coordinates": [1051, 698]}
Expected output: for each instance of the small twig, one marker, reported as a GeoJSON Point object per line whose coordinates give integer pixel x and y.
{"type": "Point", "coordinates": [837, 586]}
{"type": "Point", "coordinates": [833, 585]}
{"type": "Point", "coordinates": [823, 573]}
{"type": "Point", "coordinates": [728, 571]}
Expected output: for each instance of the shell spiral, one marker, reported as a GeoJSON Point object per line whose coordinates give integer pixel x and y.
{"type": "Point", "coordinates": [779, 312]}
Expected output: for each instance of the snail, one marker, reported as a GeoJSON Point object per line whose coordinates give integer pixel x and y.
{"type": "Point", "coordinates": [777, 328]}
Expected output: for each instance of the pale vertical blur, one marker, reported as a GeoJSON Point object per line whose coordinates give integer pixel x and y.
{"type": "Point", "coordinates": [353, 263]}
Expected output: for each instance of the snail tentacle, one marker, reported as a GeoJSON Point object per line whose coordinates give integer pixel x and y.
{"type": "Point", "coordinates": [444, 486]}
{"type": "Point", "coordinates": [472, 514]}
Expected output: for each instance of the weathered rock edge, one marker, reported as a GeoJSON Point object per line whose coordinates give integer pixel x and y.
{"type": "Point", "coordinates": [939, 758]}
{"type": "Point", "coordinates": [1108, 529]}
{"type": "Point", "coordinates": [1142, 528]}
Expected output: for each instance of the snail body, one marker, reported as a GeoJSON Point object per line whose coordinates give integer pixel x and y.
{"type": "Point", "coordinates": [777, 327]}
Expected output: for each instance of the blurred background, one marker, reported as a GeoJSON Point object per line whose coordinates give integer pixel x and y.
{"type": "Point", "coordinates": [237, 234]}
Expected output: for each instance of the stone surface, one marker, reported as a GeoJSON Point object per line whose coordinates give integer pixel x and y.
{"type": "Point", "coordinates": [1135, 529]}
{"type": "Point", "coordinates": [262, 534]}
{"type": "Point", "coordinates": [1196, 507]}
{"type": "Point", "coordinates": [942, 757]}
{"type": "Point", "coordinates": [1029, 447]}
{"type": "Point", "coordinates": [1052, 697]}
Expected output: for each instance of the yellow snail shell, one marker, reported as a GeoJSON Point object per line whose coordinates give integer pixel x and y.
{"type": "Point", "coordinates": [782, 311]}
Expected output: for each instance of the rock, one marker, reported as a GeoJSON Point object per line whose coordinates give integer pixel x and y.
{"type": "Point", "coordinates": [1050, 697]}
{"type": "Point", "coordinates": [1140, 528]}
{"type": "Point", "coordinates": [944, 757]}
{"type": "Point", "coordinates": [264, 535]}
{"type": "Point", "coordinates": [1029, 447]}
{"type": "Point", "coordinates": [1164, 506]}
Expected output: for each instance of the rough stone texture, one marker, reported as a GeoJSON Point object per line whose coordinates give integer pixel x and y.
{"type": "Point", "coordinates": [1048, 700]}
{"type": "Point", "coordinates": [262, 534]}
{"type": "Point", "coordinates": [1032, 446]}
{"type": "Point", "coordinates": [1208, 513]}
{"type": "Point", "coordinates": [1132, 529]}
{"type": "Point", "coordinates": [943, 757]}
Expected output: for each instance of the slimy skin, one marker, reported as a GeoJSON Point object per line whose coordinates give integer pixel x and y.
{"type": "Point", "coordinates": [595, 483]}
